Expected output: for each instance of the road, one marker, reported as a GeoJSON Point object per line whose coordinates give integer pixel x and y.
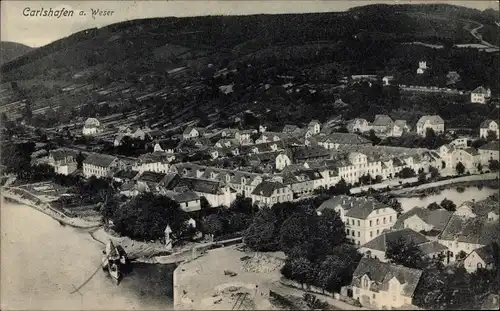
{"type": "Point", "coordinates": [479, 37]}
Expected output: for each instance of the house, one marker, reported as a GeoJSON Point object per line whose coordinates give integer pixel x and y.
{"type": "Point", "coordinates": [216, 193]}
{"type": "Point", "coordinates": [428, 222]}
{"type": "Point", "coordinates": [63, 161]}
{"type": "Point", "coordinates": [479, 95]}
{"type": "Point", "coordinates": [480, 258]}
{"type": "Point", "coordinates": [262, 128]}
{"type": "Point", "coordinates": [304, 181]}
{"type": "Point", "coordinates": [99, 165]}
{"type": "Point", "coordinates": [364, 218]}
{"type": "Point", "coordinates": [488, 126]}
{"type": "Point", "coordinates": [291, 129]}
{"type": "Point", "coordinates": [382, 123]}
{"type": "Point", "coordinates": [386, 80]}
{"type": "Point", "coordinates": [91, 127]}
{"type": "Point", "coordinates": [381, 285]}
{"type": "Point", "coordinates": [491, 301]}
{"type": "Point", "coordinates": [377, 247]}
{"type": "Point", "coordinates": [335, 140]}
{"type": "Point", "coordinates": [488, 152]}
{"type": "Point", "coordinates": [461, 142]}
{"type": "Point", "coordinates": [469, 157]}
{"type": "Point", "coordinates": [282, 161]}
{"type": "Point", "coordinates": [270, 192]}
{"type": "Point", "coordinates": [355, 164]}
{"type": "Point", "coordinates": [192, 132]}
{"type": "Point", "coordinates": [434, 122]}
{"type": "Point", "coordinates": [400, 127]}
{"type": "Point", "coordinates": [154, 162]}
{"type": "Point", "coordinates": [188, 200]}
{"type": "Point", "coordinates": [358, 125]}
{"type": "Point", "coordinates": [123, 175]}
{"type": "Point", "coordinates": [166, 145]}
{"type": "Point", "coordinates": [422, 67]}
{"type": "Point", "coordinates": [302, 154]}
{"type": "Point", "coordinates": [466, 234]}
{"type": "Point", "coordinates": [152, 182]}
{"type": "Point", "coordinates": [314, 127]}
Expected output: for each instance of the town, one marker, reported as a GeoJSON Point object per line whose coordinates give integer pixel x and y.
{"type": "Point", "coordinates": [353, 206]}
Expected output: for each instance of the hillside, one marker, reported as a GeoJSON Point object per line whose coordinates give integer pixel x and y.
{"type": "Point", "coordinates": [171, 70]}
{"type": "Point", "coordinates": [12, 50]}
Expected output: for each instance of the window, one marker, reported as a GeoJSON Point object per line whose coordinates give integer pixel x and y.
{"type": "Point", "coordinates": [358, 223]}
{"type": "Point", "coordinates": [366, 283]}
{"type": "Point", "coordinates": [377, 219]}
{"type": "Point", "coordinates": [390, 218]}
{"type": "Point", "coordinates": [384, 220]}
{"type": "Point", "coordinates": [353, 233]}
{"type": "Point", "coordinates": [373, 296]}
{"type": "Point", "coordinates": [479, 265]}
{"type": "Point", "coordinates": [371, 234]}
{"type": "Point", "coordinates": [370, 223]}
{"type": "Point", "coordinates": [347, 231]}
{"type": "Point", "coordinates": [352, 222]}
{"type": "Point", "coordinates": [377, 231]}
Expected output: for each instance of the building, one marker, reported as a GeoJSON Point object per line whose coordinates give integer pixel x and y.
{"type": "Point", "coordinates": [386, 80]}
{"type": "Point", "coordinates": [192, 132]}
{"type": "Point", "coordinates": [63, 161]}
{"type": "Point", "coordinates": [480, 258]}
{"type": "Point", "coordinates": [291, 129]}
{"type": "Point", "coordinates": [469, 157]}
{"type": "Point", "coordinates": [358, 125]}
{"type": "Point", "coordinates": [91, 127]}
{"type": "Point", "coordinates": [99, 165]}
{"type": "Point", "coordinates": [123, 176]}
{"type": "Point", "coordinates": [488, 126]}
{"type": "Point", "coordinates": [364, 218]}
{"type": "Point", "coordinates": [335, 140]}
{"type": "Point", "coordinates": [356, 164]}
{"type": "Point", "coordinates": [422, 67]}
{"type": "Point", "coordinates": [304, 181]}
{"type": "Point", "coordinates": [272, 192]}
{"type": "Point", "coordinates": [431, 223]}
{"type": "Point", "coordinates": [434, 122]}
{"type": "Point", "coordinates": [189, 200]}
{"type": "Point", "coordinates": [216, 193]}
{"type": "Point", "coordinates": [314, 127]}
{"type": "Point", "coordinates": [382, 123]}
{"type": "Point", "coordinates": [154, 162]}
{"type": "Point", "coordinates": [381, 285]}
{"type": "Point", "coordinates": [479, 95]}
{"type": "Point", "coordinates": [282, 161]}
{"type": "Point", "coordinates": [377, 247]}
{"type": "Point", "coordinates": [461, 142]}
{"type": "Point", "coordinates": [489, 152]}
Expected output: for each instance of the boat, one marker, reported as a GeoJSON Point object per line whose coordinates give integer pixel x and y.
{"type": "Point", "coordinates": [113, 260]}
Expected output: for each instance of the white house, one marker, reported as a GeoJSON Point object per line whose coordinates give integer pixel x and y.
{"type": "Point", "coordinates": [381, 285]}
{"type": "Point", "coordinates": [314, 127]}
{"type": "Point", "coordinates": [434, 122]}
{"type": "Point", "coordinates": [480, 258]}
{"type": "Point", "coordinates": [192, 132]}
{"type": "Point", "coordinates": [422, 67]}
{"type": "Point", "coordinates": [386, 80]}
{"type": "Point", "coordinates": [489, 126]}
{"type": "Point", "coordinates": [490, 151]}
{"type": "Point", "coordinates": [358, 125]}
{"type": "Point", "coordinates": [99, 165]}
{"type": "Point", "coordinates": [282, 161]}
{"type": "Point", "coordinates": [63, 161]}
{"type": "Point", "coordinates": [271, 192]}
{"type": "Point", "coordinates": [479, 95]}
{"type": "Point", "coordinates": [364, 218]}
{"type": "Point", "coordinates": [91, 127]}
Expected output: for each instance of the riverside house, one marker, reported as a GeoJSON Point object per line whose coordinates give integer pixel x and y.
{"type": "Point", "coordinates": [364, 218]}
{"type": "Point", "coordinates": [63, 161]}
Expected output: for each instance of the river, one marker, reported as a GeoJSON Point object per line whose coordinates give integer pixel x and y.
{"type": "Point", "coordinates": [42, 262]}
{"type": "Point", "coordinates": [452, 194]}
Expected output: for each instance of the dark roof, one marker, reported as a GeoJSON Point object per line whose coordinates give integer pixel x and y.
{"type": "Point", "coordinates": [152, 177]}
{"type": "Point", "coordinates": [61, 154]}
{"type": "Point", "coordinates": [344, 138]}
{"type": "Point", "coordinates": [470, 230]}
{"type": "Point", "coordinates": [486, 123]}
{"type": "Point", "coordinates": [356, 207]}
{"type": "Point", "coordinates": [202, 186]}
{"type": "Point", "coordinates": [437, 218]}
{"type": "Point", "coordinates": [101, 160]}
{"type": "Point", "coordinates": [126, 174]}
{"type": "Point", "coordinates": [492, 145]}
{"type": "Point", "coordinates": [301, 175]}
{"type": "Point", "coordinates": [266, 188]}
{"type": "Point", "coordinates": [310, 152]}
{"type": "Point", "coordinates": [290, 128]}
{"type": "Point", "coordinates": [382, 120]}
{"type": "Point", "coordinates": [381, 242]}
{"type": "Point", "coordinates": [431, 247]}
{"type": "Point", "coordinates": [171, 180]}
{"type": "Point", "coordinates": [480, 90]}
{"type": "Point", "coordinates": [168, 143]}
{"type": "Point", "coordinates": [433, 119]}
{"type": "Point", "coordinates": [381, 273]}
{"type": "Point", "coordinates": [486, 253]}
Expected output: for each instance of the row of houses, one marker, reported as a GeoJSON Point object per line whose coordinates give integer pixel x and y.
{"type": "Point", "coordinates": [385, 126]}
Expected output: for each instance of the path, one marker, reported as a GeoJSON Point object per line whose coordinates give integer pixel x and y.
{"type": "Point", "coordinates": [479, 37]}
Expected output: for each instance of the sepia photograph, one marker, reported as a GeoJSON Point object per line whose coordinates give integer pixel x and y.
{"type": "Point", "coordinates": [249, 155]}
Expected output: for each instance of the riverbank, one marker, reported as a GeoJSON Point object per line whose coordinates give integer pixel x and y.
{"type": "Point", "coordinates": [43, 263]}
{"type": "Point", "coordinates": [44, 207]}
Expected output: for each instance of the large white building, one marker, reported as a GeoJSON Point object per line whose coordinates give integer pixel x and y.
{"type": "Point", "coordinates": [479, 95]}
{"type": "Point", "coordinates": [364, 218]}
{"type": "Point", "coordinates": [434, 122]}
{"type": "Point", "coordinates": [489, 126]}
{"type": "Point", "coordinates": [99, 165]}
{"type": "Point", "coordinates": [92, 126]}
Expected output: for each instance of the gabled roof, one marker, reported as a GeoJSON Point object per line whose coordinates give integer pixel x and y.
{"type": "Point", "coordinates": [480, 90]}
{"type": "Point", "coordinates": [344, 138]}
{"type": "Point", "coordinates": [492, 145]}
{"type": "Point", "coordinates": [290, 128]}
{"type": "Point", "coordinates": [486, 253]}
{"type": "Point", "coordinates": [355, 207]}
{"type": "Point", "coordinates": [401, 123]}
{"type": "Point", "coordinates": [202, 186]}
{"type": "Point", "coordinates": [309, 152]}
{"type": "Point", "coordinates": [437, 218]}
{"type": "Point", "coordinates": [381, 273]}
{"type": "Point", "coordinates": [126, 174]}
{"type": "Point", "coordinates": [382, 120]}
{"type": "Point", "coordinates": [266, 188]}
{"type": "Point", "coordinates": [470, 230]}
{"type": "Point", "coordinates": [153, 177]}
{"type": "Point", "coordinates": [301, 175]}
{"type": "Point", "coordinates": [381, 242]}
{"type": "Point", "coordinates": [486, 123]}
{"type": "Point", "coordinates": [433, 119]}
{"type": "Point", "coordinates": [61, 154]}
{"type": "Point", "coordinates": [471, 151]}
{"type": "Point", "coordinates": [100, 160]}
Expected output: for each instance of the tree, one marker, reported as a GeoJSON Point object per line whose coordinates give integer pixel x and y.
{"type": "Point", "coordinates": [374, 138]}
{"type": "Point", "coordinates": [262, 234]}
{"type": "Point", "coordinates": [461, 255]}
{"type": "Point", "coordinates": [434, 172]}
{"type": "Point", "coordinates": [494, 165]}
{"type": "Point", "coordinates": [480, 167]}
{"type": "Point", "coordinates": [404, 252]}
{"type": "Point", "coordinates": [407, 172]}
{"type": "Point", "coordinates": [146, 216]}
{"type": "Point", "coordinates": [213, 224]}
{"type": "Point", "coordinates": [433, 206]}
{"type": "Point", "coordinates": [422, 177]}
{"type": "Point", "coordinates": [460, 168]}
{"type": "Point", "coordinates": [448, 205]}
{"type": "Point", "coordinates": [79, 160]}
{"type": "Point", "coordinates": [492, 135]}
{"type": "Point", "coordinates": [299, 269]}
{"type": "Point", "coordinates": [295, 231]}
